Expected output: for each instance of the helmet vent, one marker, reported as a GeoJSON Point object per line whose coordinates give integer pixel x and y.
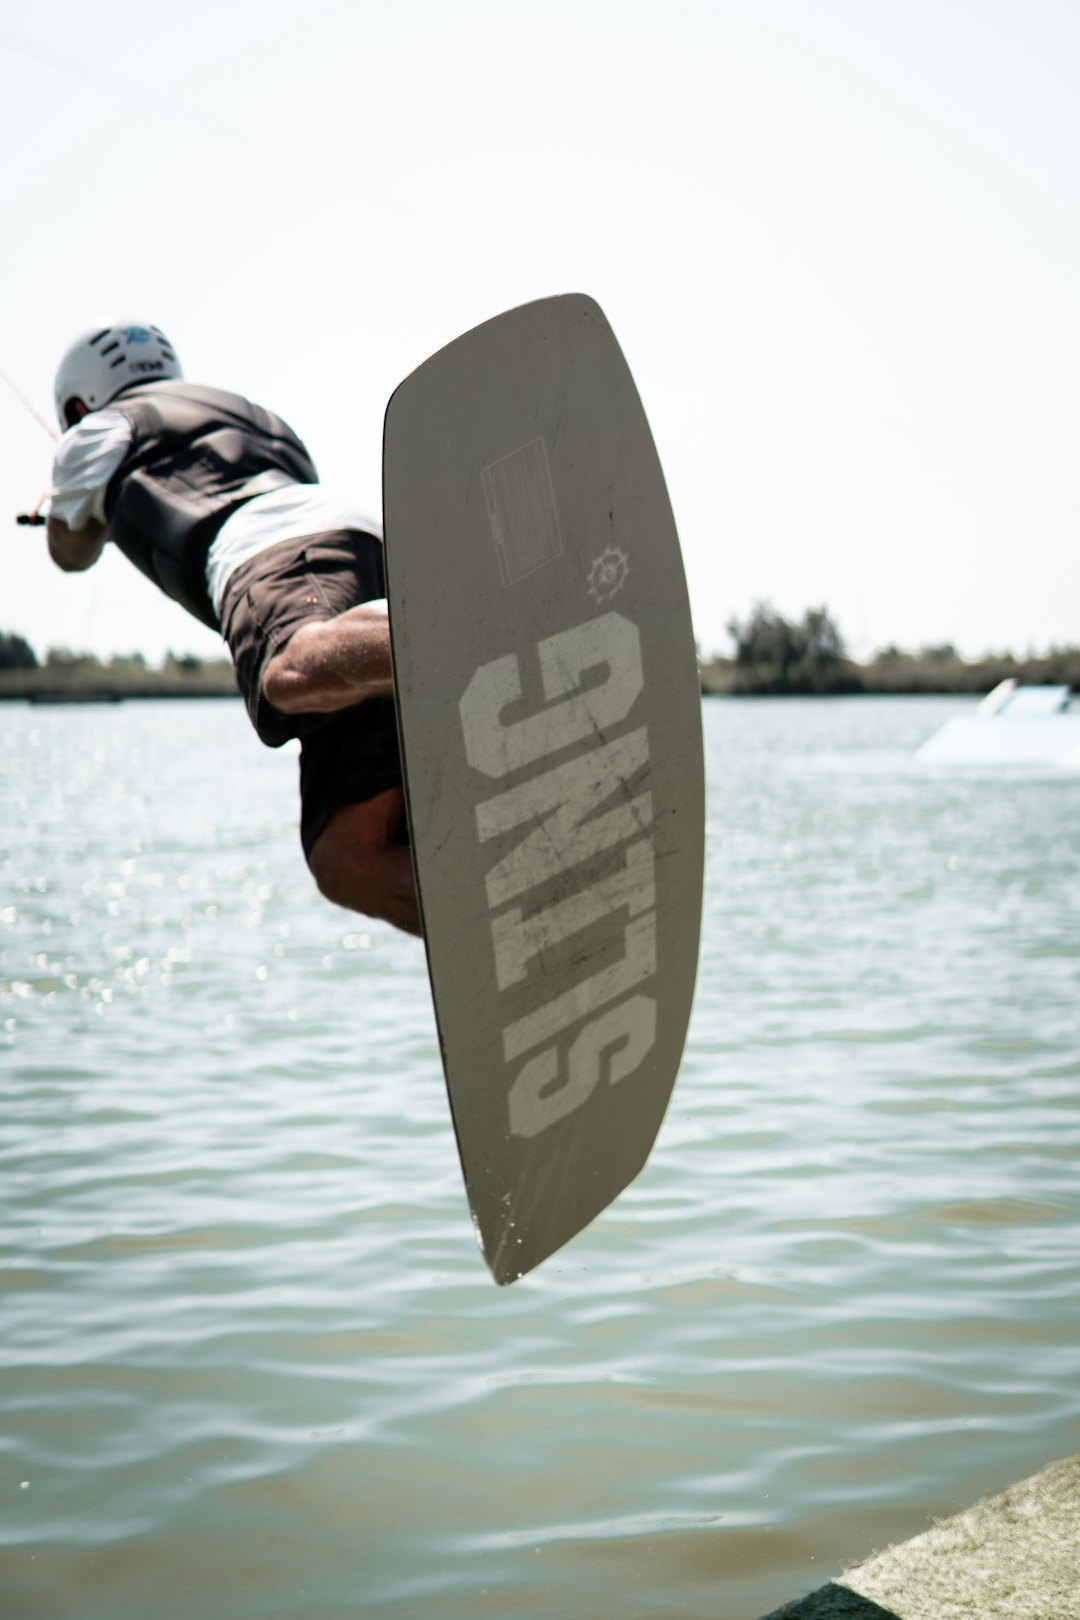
{"type": "Point", "coordinates": [97, 337]}
{"type": "Point", "coordinates": [109, 347]}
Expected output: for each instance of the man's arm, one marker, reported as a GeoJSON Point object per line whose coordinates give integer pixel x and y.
{"type": "Point", "coordinates": [87, 456]}
{"type": "Point", "coordinates": [75, 549]}
{"type": "Point", "coordinates": [330, 664]}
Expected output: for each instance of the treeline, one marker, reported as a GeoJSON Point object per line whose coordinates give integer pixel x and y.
{"type": "Point", "coordinates": [773, 656]}
{"type": "Point", "coordinates": [807, 657]}
{"type": "Point", "coordinates": [82, 674]}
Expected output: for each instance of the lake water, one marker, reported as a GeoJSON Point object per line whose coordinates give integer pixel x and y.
{"type": "Point", "coordinates": [251, 1362]}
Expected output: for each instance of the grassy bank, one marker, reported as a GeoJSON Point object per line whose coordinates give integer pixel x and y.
{"type": "Point", "coordinates": [86, 680]}
{"type": "Point", "coordinates": [892, 672]}
{"type": "Point", "coordinates": [789, 664]}
{"type": "Point", "coordinates": [775, 656]}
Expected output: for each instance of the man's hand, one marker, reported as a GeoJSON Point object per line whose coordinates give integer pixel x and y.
{"type": "Point", "coordinates": [75, 549]}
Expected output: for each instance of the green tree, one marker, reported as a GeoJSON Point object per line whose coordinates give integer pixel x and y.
{"type": "Point", "coordinates": [16, 652]}
{"type": "Point", "coordinates": [185, 663]}
{"type": "Point", "coordinates": [824, 643]}
{"type": "Point", "coordinates": [784, 656]}
{"type": "Point", "coordinates": [64, 658]}
{"type": "Point", "coordinates": [765, 640]}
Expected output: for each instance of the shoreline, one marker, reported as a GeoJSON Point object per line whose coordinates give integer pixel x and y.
{"type": "Point", "coordinates": [902, 676]}
{"type": "Point", "coordinates": [41, 695]}
{"type": "Point", "coordinates": [55, 699]}
{"type": "Point", "coordinates": [899, 675]}
{"type": "Point", "coordinates": [58, 687]}
{"type": "Point", "coordinates": [103, 692]}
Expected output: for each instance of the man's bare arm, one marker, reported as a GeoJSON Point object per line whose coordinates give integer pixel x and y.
{"type": "Point", "coordinates": [75, 549]}
{"type": "Point", "coordinates": [330, 664]}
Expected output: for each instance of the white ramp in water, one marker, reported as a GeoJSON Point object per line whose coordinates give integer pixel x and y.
{"type": "Point", "coordinates": [1013, 725]}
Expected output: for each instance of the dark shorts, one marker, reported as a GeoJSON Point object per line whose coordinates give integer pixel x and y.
{"type": "Point", "coordinates": [345, 757]}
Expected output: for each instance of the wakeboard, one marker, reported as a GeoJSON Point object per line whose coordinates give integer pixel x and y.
{"type": "Point", "coordinates": [549, 709]}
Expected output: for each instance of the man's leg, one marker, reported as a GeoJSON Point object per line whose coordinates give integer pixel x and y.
{"type": "Point", "coordinates": [360, 861]}
{"type": "Point", "coordinates": [352, 806]}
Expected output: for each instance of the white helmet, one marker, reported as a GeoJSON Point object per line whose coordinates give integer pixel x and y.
{"type": "Point", "coordinates": [109, 358]}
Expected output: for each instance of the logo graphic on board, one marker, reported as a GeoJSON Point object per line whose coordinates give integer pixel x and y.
{"type": "Point", "coordinates": [550, 827]}
{"type": "Point", "coordinates": [607, 576]}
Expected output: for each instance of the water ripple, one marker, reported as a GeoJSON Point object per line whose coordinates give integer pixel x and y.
{"type": "Point", "coordinates": [251, 1362]}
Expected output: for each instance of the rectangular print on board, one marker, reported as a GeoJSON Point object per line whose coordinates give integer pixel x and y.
{"type": "Point", "coordinates": [521, 507]}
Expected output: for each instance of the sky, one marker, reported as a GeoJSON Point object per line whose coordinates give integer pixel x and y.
{"type": "Point", "coordinates": [838, 240]}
